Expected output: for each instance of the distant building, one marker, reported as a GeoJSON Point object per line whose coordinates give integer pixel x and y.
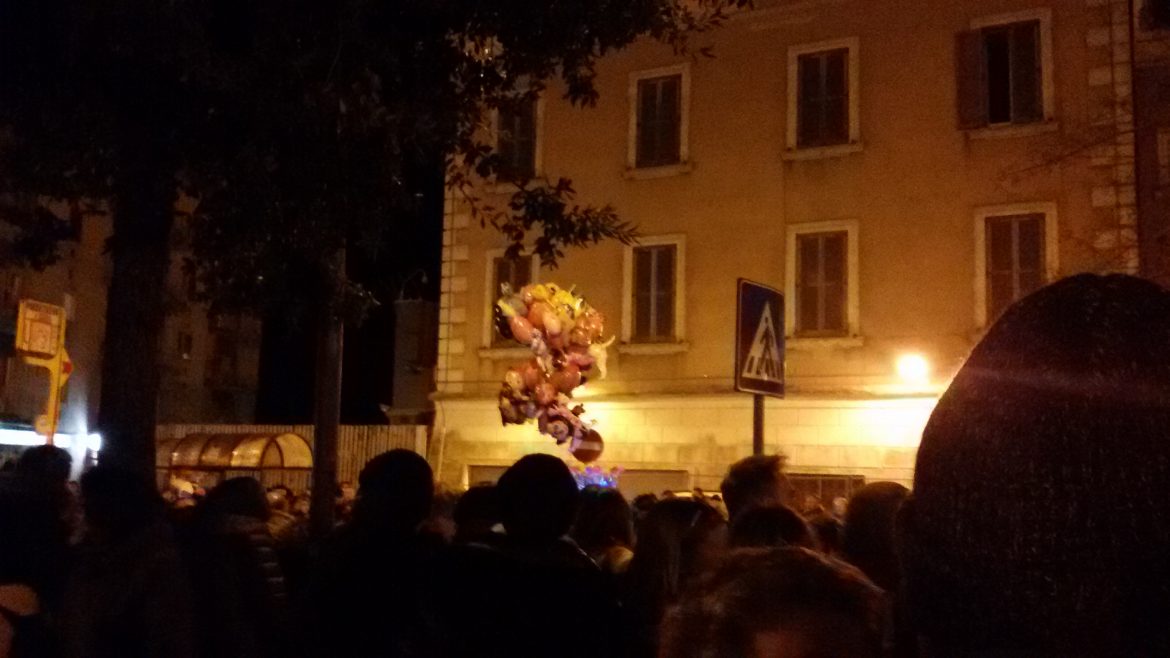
{"type": "Point", "coordinates": [209, 363]}
{"type": "Point", "coordinates": [78, 283]}
{"type": "Point", "coordinates": [903, 171]}
{"type": "Point", "coordinates": [415, 323]}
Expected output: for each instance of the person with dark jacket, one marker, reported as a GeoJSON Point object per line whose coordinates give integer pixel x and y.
{"type": "Point", "coordinates": [368, 595]}
{"type": "Point", "coordinates": [24, 535]}
{"type": "Point", "coordinates": [678, 540]}
{"type": "Point", "coordinates": [240, 599]}
{"type": "Point", "coordinates": [536, 593]}
{"type": "Point", "coordinates": [127, 595]}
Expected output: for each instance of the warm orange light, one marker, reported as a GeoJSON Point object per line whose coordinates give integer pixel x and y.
{"type": "Point", "coordinates": [914, 369]}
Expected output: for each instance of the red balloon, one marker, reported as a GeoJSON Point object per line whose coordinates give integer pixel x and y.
{"type": "Point", "coordinates": [588, 448]}
{"type": "Point", "coordinates": [532, 374]}
{"type": "Point", "coordinates": [566, 379]}
{"type": "Point", "coordinates": [522, 329]}
{"type": "Point", "coordinates": [536, 314]}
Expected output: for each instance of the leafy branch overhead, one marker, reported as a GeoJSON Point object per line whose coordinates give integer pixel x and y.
{"type": "Point", "coordinates": [300, 128]}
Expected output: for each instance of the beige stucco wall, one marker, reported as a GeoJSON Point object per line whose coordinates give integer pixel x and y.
{"type": "Point", "coordinates": [914, 190]}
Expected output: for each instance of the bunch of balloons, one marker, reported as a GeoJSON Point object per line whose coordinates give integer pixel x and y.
{"type": "Point", "coordinates": [564, 334]}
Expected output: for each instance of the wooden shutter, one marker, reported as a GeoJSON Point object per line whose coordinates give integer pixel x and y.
{"type": "Point", "coordinates": [836, 116]}
{"type": "Point", "coordinates": [808, 266]}
{"type": "Point", "coordinates": [1027, 103]}
{"type": "Point", "coordinates": [664, 292]}
{"type": "Point", "coordinates": [970, 78]}
{"type": "Point", "coordinates": [643, 293]}
{"type": "Point", "coordinates": [808, 96]}
{"type": "Point", "coordinates": [834, 266]}
{"type": "Point", "coordinates": [647, 118]}
{"type": "Point", "coordinates": [670, 120]}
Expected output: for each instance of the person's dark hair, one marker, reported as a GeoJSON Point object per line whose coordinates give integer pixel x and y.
{"type": "Point", "coordinates": [238, 496]}
{"type": "Point", "coordinates": [756, 480]}
{"type": "Point", "coordinates": [1038, 521]}
{"type": "Point", "coordinates": [828, 531]}
{"type": "Point", "coordinates": [769, 527]}
{"type": "Point", "coordinates": [23, 534]}
{"type": "Point", "coordinates": [670, 552]}
{"type": "Point", "coordinates": [869, 532]}
{"type": "Point", "coordinates": [603, 520]}
{"type": "Point", "coordinates": [395, 490]}
{"type": "Point", "coordinates": [476, 511]}
{"type": "Point", "coordinates": [49, 464]}
{"type": "Point", "coordinates": [119, 502]}
{"type": "Point", "coordinates": [538, 498]}
{"type": "Point", "coordinates": [760, 591]}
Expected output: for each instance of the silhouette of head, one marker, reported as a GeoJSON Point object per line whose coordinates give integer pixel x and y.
{"type": "Point", "coordinates": [47, 464]}
{"type": "Point", "coordinates": [603, 521]}
{"type": "Point", "coordinates": [1039, 519]}
{"type": "Point", "coordinates": [757, 480]}
{"type": "Point", "coordinates": [476, 512]}
{"type": "Point", "coordinates": [787, 602]}
{"type": "Point", "coordinates": [238, 496]}
{"type": "Point", "coordinates": [118, 502]}
{"type": "Point", "coordinates": [538, 499]}
{"type": "Point", "coordinates": [676, 541]}
{"type": "Point", "coordinates": [395, 491]}
{"type": "Point", "coordinates": [769, 527]}
{"type": "Point", "coordinates": [869, 531]}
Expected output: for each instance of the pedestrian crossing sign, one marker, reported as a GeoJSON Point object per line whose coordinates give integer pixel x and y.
{"type": "Point", "coordinates": [759, 364]}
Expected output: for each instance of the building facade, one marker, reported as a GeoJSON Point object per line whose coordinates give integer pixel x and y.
{"type": "Point", "coordinates": [902, 171]}
{"type": "Point", "coordinates": [209, 363]}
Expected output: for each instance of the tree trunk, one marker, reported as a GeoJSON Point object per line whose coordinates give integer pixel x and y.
{"type": "Point", "coordinates": [327, 407]}
{"type": "Point", "coordinates": [135, 311]}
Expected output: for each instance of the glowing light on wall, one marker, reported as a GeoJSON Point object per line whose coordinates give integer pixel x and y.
{"type": "Point", "coordinates": [16, 437]}
{"type": "Point", "coordinates": [913, 369]}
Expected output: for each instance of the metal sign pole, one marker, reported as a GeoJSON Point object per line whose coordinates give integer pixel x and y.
{"type": "Point", "coordinates": [757, 424]}
{"type": "Point", "coordinates": [759, 350]}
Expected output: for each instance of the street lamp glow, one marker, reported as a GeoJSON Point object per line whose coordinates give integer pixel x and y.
{"type": "Point", "coordinates": [914, 369]}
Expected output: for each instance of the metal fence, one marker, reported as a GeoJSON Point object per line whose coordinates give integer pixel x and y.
{"type": "Point", "coordinates": [356, 445]}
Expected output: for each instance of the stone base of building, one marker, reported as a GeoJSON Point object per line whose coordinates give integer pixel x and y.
{"type": "Point", "coordinates": [689, 440]}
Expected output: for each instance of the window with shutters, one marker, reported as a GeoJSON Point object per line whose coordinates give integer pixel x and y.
{"type": "Point", "coordinates": [654, 293]}
{"type": "Point", "coordinates": [659, 101]}
{"type": "Point", "coordinates": [823, 103]}
{"type": "Point", "coordinates": [1014, 260]}
{"type": "Point", "coordinates": [659, 114]}
{"type": "Point", "coordinates": [516, 138]}
{"type": "Point", "coordinates": [513, 272]}
{"type": "Point", "coordinates": [821, 284]}
{"type": "Point", "coordinates": [1004, 71]}
{"type": "Point", "coordinates": [1015, 254]}
{"type": "Point", "coordinates": [822, 115]}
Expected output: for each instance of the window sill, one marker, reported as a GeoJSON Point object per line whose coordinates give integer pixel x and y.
{"type": "Point", "coordinates": [1012, 131]}
{"type": "Point", "coordinates": [797, 344]}
{"type": "Point", "coordinates": [663, 171]}
{"type": "Point", "coordinates": [822, 152]}
{"type": "Point", "coordinates": [502, 353]}
{"type": "Point", "coordinates": [653, 349]}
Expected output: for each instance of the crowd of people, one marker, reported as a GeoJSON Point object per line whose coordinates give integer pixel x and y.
{"type": "Point", "coordinates": [1039, 525]}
